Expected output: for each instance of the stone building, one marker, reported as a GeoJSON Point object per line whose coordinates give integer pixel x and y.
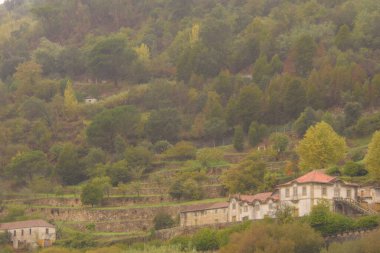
{"type": "Point", "coordinates": [301, 194]}
{"type": "Point", "coordinates": [30, 234]}
{"type": "Point", "coordinates": [204, 214]}
{"type": "Point", "coordinates": [252, 207]}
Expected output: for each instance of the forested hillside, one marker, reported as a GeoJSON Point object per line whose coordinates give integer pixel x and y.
{"type": "Point", "coordinates": [189, 73]}
{"type": "Point", "coordinates": [117, 114]}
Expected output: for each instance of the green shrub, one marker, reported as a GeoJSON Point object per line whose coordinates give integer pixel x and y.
{"type": "Point", "coordinates": [4, 238]}
{"type": "Point", "coordinates": [367, 125]}
{"type": "Point", "coordinates": [337, 223]}
{"type": "Point", "coordinates": [138, 157]}
{"type": "Point", "coordinates": [353, 169]}
{"type": "Point", "coordinates": [14, 214]}
{"type": "Point", "coordinates": [206, 240]}
{"type": "Point", "coordinates": [183, 242]}
{"type": "Point", "coordinates": [92, 194]}
{"type": "Point", "coordinates": [327, 222]}
{"type": "Point", "coordinates": [182, 151]}
{"type": "Point", "coordinates": [163, 220]}
{"type": "Point", "coordinates": [367, 222]}
{"type": "Point", "coordinates": [161, 146]}
{"type": "Point", "coordinates": [79, 241]}
{"type": "Point", "coordinates": [90, 227]}
{"type": "Point", "coordinates": [187, 189]}
{"type": "Point", "coordinates": [209, 156]}
{"type": "Point", "coordinates": [358, 155]}
{"type": "Point", "coordinates": [279, 141]}
{"type": "Point", "coordinates": [334, 171]}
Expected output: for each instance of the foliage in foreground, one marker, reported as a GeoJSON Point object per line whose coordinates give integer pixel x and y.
{"type": "Point", "coordinates": [115, 249]}
{"type": "Point", "coordinates": [268, 238]}
{"type": "Point", "coordinates": [367, 244]}
{"type": "Point", "coordinates": [208, 239]}
{"type": "Point", "coordinates": [329, 223]}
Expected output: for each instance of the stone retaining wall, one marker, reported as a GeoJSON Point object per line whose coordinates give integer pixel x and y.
{"type": "Point", "coordinates": [348, 236]}
{"type": "Point", "coordinates": [117, 226]}
{"type": "Point", "coordinates": [212, 191]}
{"type": "Point", "coordinates": [98, 215]}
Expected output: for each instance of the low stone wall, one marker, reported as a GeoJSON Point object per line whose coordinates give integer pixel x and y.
{"type": "Point", "coordinates": [107, 202]}
{"type": "Point", "coordinates": [98, 215]}
{"type": "Point", "coordinates": [112, 220]}
{"type": "Point", "coordinates": [348, 236]}
{"type": "Point", "coordinates": [117, 226]}
{"type": "Point", "coordinates": [212, 191]}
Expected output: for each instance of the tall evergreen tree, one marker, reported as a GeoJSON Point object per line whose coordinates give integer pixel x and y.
{"type": "Point", "coordinates": [305, 49]}
{"type": "Point", "coordinates": [239, 138]}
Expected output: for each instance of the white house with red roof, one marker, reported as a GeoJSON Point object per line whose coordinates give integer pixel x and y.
{"type": "Point", "coordinates": [308, 190]}
{"type": "Point", "coordinates": [29, 234]}
{"type": "Point", "coordinates": [252, 207]}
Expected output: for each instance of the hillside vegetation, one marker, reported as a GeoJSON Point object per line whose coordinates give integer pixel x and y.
{"type": "Point", "coordinates": [195, 100]}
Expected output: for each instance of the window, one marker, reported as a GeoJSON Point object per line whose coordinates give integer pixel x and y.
{"type": "Point", "coordinates": [14, 233]}
{"type": "Point", "coordinates": [287, 194]}
{"type": "Point", "coordinates": [348, 193]}
{"type": "Point", "coordinates": [216, 211]}
{"type": "Point", "coordinates": [30, 231]}
{"type": "Point", "coordinates": [324, 191]}
{"type": "Point", "coordinates": [196, 222]}
{"type": "Point", "coordinates": [22, 232]}
{"type": "Point", "coordinates": [337, 192]}
{"type": "Point", "coordinates": [245, 208]}
{"type": "Point", "coordinates": [47, 231]}
{"type": "Point", "coordinates": [195, 214]}
{"type": "Point", "coordinates": [295, 191]}
{"type": "Point", "coordinates": [304, 191]}
{"type": "Point", "coordinates": [257, 207]}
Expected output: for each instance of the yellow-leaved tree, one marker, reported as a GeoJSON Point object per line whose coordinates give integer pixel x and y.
{"type": "Point", "coordinates": [71, 102]}
{"type": "Point", "coordinates": [143, 53]}
{"type": "Point", "coordinates": [194, 34]}
{"type": "Point", "coordinates": [321, 147]}
{"type": "Point", "coordinates": [372, 159]}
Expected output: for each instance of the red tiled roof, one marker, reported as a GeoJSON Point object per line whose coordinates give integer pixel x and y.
{"type": "Point", "coordinates": [315, 177]}
{"type": "Point", "coordinates": [25, 224]}
{"type": "Point", "coordinates": [207, 206]}
{"type": "Point", "coordinates": [262, 197]}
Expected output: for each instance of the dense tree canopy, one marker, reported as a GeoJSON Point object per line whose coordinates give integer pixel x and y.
{"type": "Point", "coordinates": [196, 73]}
{"type": "Point", "coordinates": [108, 124]}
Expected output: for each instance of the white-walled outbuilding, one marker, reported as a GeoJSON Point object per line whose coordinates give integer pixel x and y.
{"type": "Point", "coordinates": [30, 234]}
